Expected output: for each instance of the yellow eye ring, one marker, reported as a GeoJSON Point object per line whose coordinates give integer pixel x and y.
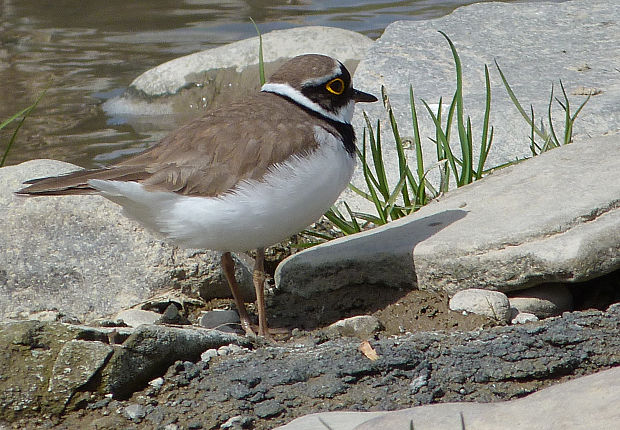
{"type": "Point", "coordinates": [335, 86]}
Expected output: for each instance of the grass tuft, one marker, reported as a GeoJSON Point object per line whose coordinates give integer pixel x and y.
{"type": "Point", "coordinates": [411, 192]}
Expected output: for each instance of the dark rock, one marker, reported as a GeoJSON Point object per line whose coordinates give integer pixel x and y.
{"type": "Point", "coordinates": [226, 320]}
{"type": "Point", "coordinates": [172, 316]}
{"type": "Point", "coordinates": [150, 350]}
{"type": "Point", "coordinates": [268, 408]}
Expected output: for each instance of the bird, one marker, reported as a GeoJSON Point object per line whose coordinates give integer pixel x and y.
{"type": "Point", "coordinates": [240, 177]}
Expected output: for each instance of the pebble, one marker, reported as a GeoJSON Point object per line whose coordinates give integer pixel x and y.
{"type": "Point", "coordinates": [157, 383]}
{"type": "Point", "coordinates": [208, 354]}
{"type": "Point", "coordinates": [226, 320]}
{"type": "Point", "coordinates": [524, 317]}
{"type": "Point", "coordinates": [134, 412]}
{"type": "Point", "coordinates": [544, 301]}
{"type": "Point", "coordinates": [136, 317]}
{"type": "Point", "coordinates": [362, 326]}
{"type": "Point", "coordinates": [492, 304]}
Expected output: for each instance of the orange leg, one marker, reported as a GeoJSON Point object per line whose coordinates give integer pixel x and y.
{"type": "Point", "coordinates": [259, 286]}
{"type": "Point", "coordinates": [228, 265]}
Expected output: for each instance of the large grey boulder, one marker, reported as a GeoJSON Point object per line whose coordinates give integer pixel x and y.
{"type": "Point", "coordinates": [81, 256]}
{"type": "Point", "coordinates": [536, 44]}
{"type": "Point", "coordinates": [583, 403]}
{"type": "Point", "coordinates": [553, 218]}
{"type": "Point", "coordinates": [214, 76]}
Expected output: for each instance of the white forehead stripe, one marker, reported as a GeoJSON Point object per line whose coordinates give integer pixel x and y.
{"type": "Point", "coordinates": [337, 71]}
{"type": "Point", "coordinates": [290, 92]}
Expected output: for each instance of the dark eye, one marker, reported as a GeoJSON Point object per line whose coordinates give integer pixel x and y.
{"type": "Point", "coordinates": [335, 86]}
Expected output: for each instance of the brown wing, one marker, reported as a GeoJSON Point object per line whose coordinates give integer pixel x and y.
{"type": "Point", "coordinates": [209, 155]}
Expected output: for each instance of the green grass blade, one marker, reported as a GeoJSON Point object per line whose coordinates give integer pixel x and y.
{"type": "Point", "coordinates": [339, 221]}
{"type": "Point", "coordinates": [568, 124]}
{"type": "Point", "coordinates": [466, 149]}
{"type": "Point", "coordinates": [24, 113]}
{"type": "Point", "coordinates": [261, 64]}
{"type": "Point", "coordinates": [402, 159]}
{"type": "Point", "coordinates": [515, 101]}
{"type": "Point", "coordinates": [484, 145]}
{"type": "Point", "coordinates": [442, 140]}
{"type": "Point", "coordinates": [550, 117]}
{"type": "Point", "coordinates": [416, 136]}
{"type": "Point", "coordinates": [373, 143]}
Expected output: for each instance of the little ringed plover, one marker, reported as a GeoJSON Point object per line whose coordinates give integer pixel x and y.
{"type": "Point", "coordinates": [241, 177]}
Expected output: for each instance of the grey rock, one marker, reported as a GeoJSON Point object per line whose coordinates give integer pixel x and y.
{"type": "Point", "coordinates": [78, 255]}
{"type": "Point", "coordinates": [492, 304]}
{"type": "Point", "coordinates": [136, 317]}
{"type": "Point", "coordinates": [333, 420]}
{"type": "Point", "coordinates": [485, 366]}
{"type": "Point", "coordinates": [34, 357]}
{"type": "Point", "coordinates": [226, 320]}
{"type": "Point", "coordinates": [268, 408]}
{"type": "Point", "coordinates": [77, 362]}
{"type": "Point", "coordinates": [523, 317]}
{"type": "Point", "coordinates": [172, 316]}
{"type": "Point", "coordinates": [577, 404]}
{"type": "Point", "coordinates": [362, 326]}
{"type": "Point", "coordinates": [208, 354]}
{"type": "Point", "coordinates": [557, 41]}
{"type": "Point", "coordinates": [235, 65]}
{"type": "Point", "coordinates": [151, 349]}
{"type": "Point", "coordinates": [134, 412]}
{"type": "Point", "coordinates": [517, 228]}
{"type": "Point", "coordinates": [544, 301]}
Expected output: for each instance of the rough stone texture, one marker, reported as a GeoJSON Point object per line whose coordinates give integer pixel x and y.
{"type": "Point", "coordinates": [170, 77]}
{"type": "Point", "coordinates": [31, 365]}
{"type": "Point", "coordinates": [497, 364]}
{"type": "Point", "coordinates": [492, 304]}
{"type": "Point", "coordinates": [516, 228]}
{"type": "Point", "coordinates": [81, 256]}
{"type": "Point", "coordinates": [224, 320]}
{"type": "Point", "coordinates": [362, 326]}
{"type": "Point", "coordinates": [523, 317]}
{"type": "Point", "coordinates": [77, 362]}
{"type": "Point", "coordinates": [136, 317]}
{"type": "Point", "coordinates": [580, 404]}
{"type": "Point", "coordinates": [231, 69]}
{"type": "Point", "coordinates": [543, 301]}
{"type": "Point", "coordinates": [574, 41]}
{"type": "Point", "coordinates": [151, 349]}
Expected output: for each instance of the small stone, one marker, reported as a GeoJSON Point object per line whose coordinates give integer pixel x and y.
{"type": "Point", "coordinates": [226, 320]}
{"type": "Point", "coordinates": [237, 422]}
{"type": "Point", "coordinates": [208, 354]}
{"type": "Point", "coordinates": [157, 383]}
{"type": "Point", "coordinates": [362, 326]}
{"type": "Point", "coordinates": [524, 317]}
{"type": "Point", "coordinates": [492, 304]}
{"type": "Point", "coordinates": [136, 317]}
{"type": "Point", "coordinates": [172, 316]}
{"type": "Point", "coordinates": [268, 408]}
{"type": "Point", "coordinates": [134, 412]}
{"type": "Point", "coordinates": [544, 301]}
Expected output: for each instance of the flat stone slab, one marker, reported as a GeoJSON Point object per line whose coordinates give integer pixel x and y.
{"type": "Point", "coordinates": [81, 256]}
{"type": "Point", "coordinates": [575, 42]}
{"type": "Point", "coordinates": [582, 403]}
{"type": "Point", "coordinates": [555, 217]}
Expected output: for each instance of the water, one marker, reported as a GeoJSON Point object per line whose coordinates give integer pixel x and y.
{"type": "Point", "coordinates": [85, 52]}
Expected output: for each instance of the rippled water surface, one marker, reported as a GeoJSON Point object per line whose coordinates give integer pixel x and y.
{"type": "Point", "coordinates": [84, 52]}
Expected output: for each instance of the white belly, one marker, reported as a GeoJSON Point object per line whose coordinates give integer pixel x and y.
{"type": "Point", "coordinates": [256, 214]}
